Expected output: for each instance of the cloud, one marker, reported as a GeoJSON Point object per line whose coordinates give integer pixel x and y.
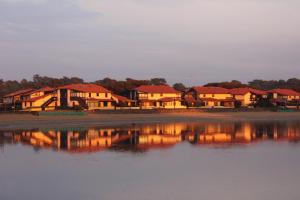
{"type": "Point", "coordinates": [188, 40]}
{"type": "Point", "coordinates": [21, 1]}
{"type": "Point", "coordinates": [45, 11]}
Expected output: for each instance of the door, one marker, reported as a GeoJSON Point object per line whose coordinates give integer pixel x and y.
{"type": "Point", "coordinates": [64, 98]}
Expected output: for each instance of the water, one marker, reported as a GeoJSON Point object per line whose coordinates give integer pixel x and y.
{"type": "Point", "coordinates": [207, 160]}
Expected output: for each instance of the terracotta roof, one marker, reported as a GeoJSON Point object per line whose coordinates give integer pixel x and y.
{"type": "Point", "coordinates": [239, 91]}
{"type": "Point", "coordinates": [286, 92]}
{"type": "Point", "coordinates": [19, 92]}
{"type": "Point", "coordinates": [36, 98]}
{"type": "Point", "coordinates": [258, 92]}
{"type": "Point", "coordinates": [242, 91]}
{"type": "Point", "coordinates": [121, 98]}
{"type": "Point", "coordinates": [210, 90]}
{"type": "Point", "coordinates": [156, 89]}
{"type": "Point", "coordinates": [43, 89]}
{"type": "Point", "coordinates": [86, 88]}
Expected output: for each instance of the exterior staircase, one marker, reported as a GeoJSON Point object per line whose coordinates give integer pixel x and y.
{"type": "Point", "coordinates": [48, 102]}
{"type": "Point", "coordinates": [81, 102]}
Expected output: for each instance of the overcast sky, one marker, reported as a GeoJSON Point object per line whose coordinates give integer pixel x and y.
{"type": "Point", "coordinates": [189, 41]}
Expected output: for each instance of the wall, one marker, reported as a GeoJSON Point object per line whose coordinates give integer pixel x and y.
{"type": "Point", "coordinates": [157, 96]}
{"type": "Point", "coordinates": [36, 105]}
{"type": "Point", "coordinates": [216, 96]}
{"type": "Point", "coordinates": [95, 105]}
{"type": "Point", "coordinates": [93, 95]}
{"type": "Point", "coordinates": [245, 99]}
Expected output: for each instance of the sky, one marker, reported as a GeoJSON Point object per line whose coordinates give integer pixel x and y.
{"type": "Point", "coordinates": [189, 41]}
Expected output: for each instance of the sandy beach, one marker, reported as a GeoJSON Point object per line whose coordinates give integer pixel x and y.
{"type": "Point", "coordinates": [28, 121]}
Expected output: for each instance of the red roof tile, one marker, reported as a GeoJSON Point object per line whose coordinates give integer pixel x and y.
{"type": "Point", "coordinates": [242, 91]}
{"type": "Point", "coordinates": [121, 98]}
{"type": "Point", "coordinates": [36, 98]}
{"type": "Point", "coordinates": [19, 92]}
{"type": "Point", "coordinates": [156, 89]}
{"type": "Point", "coordinates": [211, 90]}
{"type": "Point", "coordinates": [285, 92]}
{"type": "Point", "coordinates": [86, 88]}
{"type": "Point", "coordinates": [258, 92]}
{"type": "Point", "coordinates": [43, 89]}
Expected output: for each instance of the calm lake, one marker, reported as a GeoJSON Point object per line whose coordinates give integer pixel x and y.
{"type": "Point", "coordinates": [257, 160]}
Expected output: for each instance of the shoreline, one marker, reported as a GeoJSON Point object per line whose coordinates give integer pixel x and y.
{"type": "Point", "coordinates": [29, 121]}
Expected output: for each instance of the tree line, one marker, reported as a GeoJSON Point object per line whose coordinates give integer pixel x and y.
{"type": "Point", "coordinates": [292, 83]}
{"type": "Point", "coordinates": [121, 87]}
{"type": "Point", "coordinates": [116, 86]}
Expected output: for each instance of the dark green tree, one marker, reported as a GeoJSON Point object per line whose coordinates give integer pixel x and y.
{"type": "Point", "coordinates": [179, 86]}
{"type": "Point", "coordinates": [158, 81]}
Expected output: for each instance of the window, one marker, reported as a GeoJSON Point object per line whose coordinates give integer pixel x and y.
{"type": "Point", "coordinates": [161, 94]}
{"type": "Point", "coordinates": [213, 95]}
{"type": "Point", "coordinates": [97, 94]}
{"type": "Point", "coordinates": [143, 95]}
{"type": "Point", "coordinates": [90, 95]}
{"type": "Point", "coordinates": [152, 95]}
{"type": "Point", "coordinates": [106, 95]}
{"type": "Point", "coordinates": [204, 95]}
{"type": "Point", "coordinates": [105, 104]}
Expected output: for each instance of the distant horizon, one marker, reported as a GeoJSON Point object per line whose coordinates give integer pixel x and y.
{"type": "Point", "coordinates": [168, 82]}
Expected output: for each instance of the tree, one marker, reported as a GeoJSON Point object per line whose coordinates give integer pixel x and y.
{"type": "Point", "coordinates": [228, 85]}
{"type": "Point", "coordinates": [121, 87]}
{"type": "Point", "coordinates": [158, 81]}
{"type": "Point", "coordinates": [179, 86]}
{"type": "Point", "coordinates": [292, 83]}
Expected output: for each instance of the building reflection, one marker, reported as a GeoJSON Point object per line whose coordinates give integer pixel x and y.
{"type": "Point", "coordinates": [144, 137]}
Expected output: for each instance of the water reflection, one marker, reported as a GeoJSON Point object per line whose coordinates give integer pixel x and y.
{"type": "Point", "coordinates": [141, 138]}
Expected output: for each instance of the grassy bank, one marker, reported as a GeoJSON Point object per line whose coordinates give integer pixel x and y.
{"type": "Point", "coordinates": [22, 121]}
